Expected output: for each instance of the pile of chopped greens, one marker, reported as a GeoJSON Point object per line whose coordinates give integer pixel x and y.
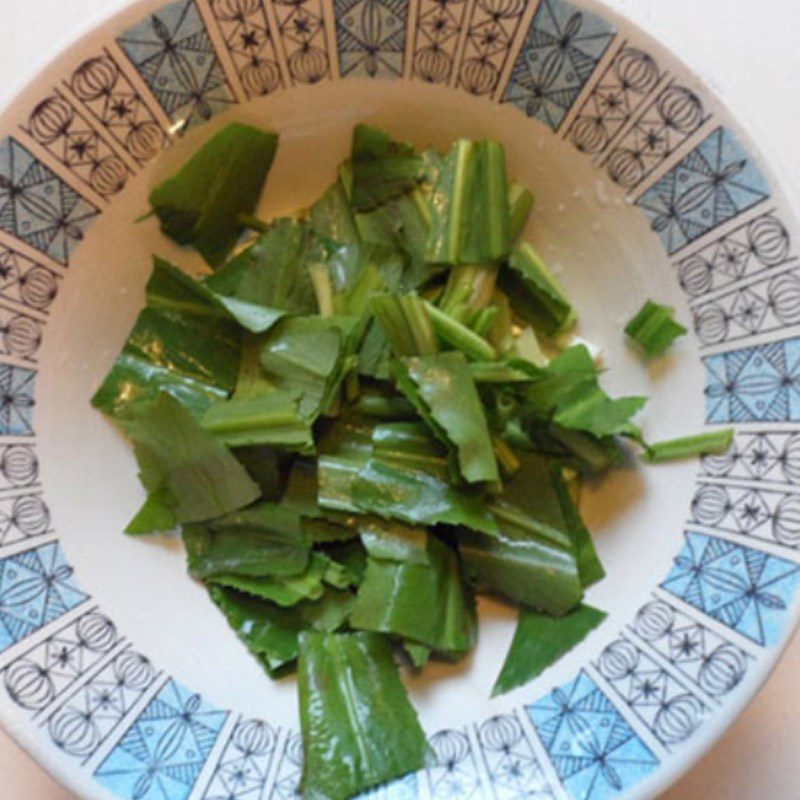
{"type": "Point", "coordinates": [364, 417]}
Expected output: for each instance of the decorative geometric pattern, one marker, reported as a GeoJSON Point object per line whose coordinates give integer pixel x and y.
{"type": "Point", "coordinates": [245, 28]}
{"type": "Point", "coordinates": [773, 456]}
{"type": "Point", "coordinates": [162, 753]}
{"type": "Point", "coordinates": [302, 28]}
{"type": "Point", "coordinates": [624, 85]}
{"type": "Point", "coordinates": [490, 34]}
{"type": "Point", "coordinates": [81, 725]}
{"type": "Point", "coordinates": [593, 749]}
{"type": "Point", "coordinates": [108, 95]}
{"type": "Point", "coordinates": [26, 283]}
{"type": "Point", "coordinates": [68, 137]}
{"type": "Point", "coordinates": [371, 37]}
{"type": "Point", "coordinates": [42, 674]}
{"type": "Point", "coordinates": [23, 517]}
{"type": "Point", "coordinates": [662, 704]}
{"type": "Point", "coordinates": [756, 384]}
{"type": "Point", "coordinates": [511, 762]}
{"type": "Point", "coordinates": [745, 589]}
{"type": "Point", "coordinates": [243, 767]}
{"type": "Point", "coordinates": [438, 28]}
{"type": "Point", "coordinates": [19, 466]}
{"type": "Point", "coordinates": [17, 386]}
{"type": "Point", "coordinates": [748, 250]}
{"type": "Point", "coordinates": [37, 207]}
{"type": "Point", "coordinates": [172, 51]}
{"type": "Point", "coordinates": [664, 125]}
{"type": "Point", "coordinates": [290, 765]}
{"type": "Point", "coordinates": [559, 56]}
{"type": "Point", "coordinates": [36, 587]}
{"type": "Point", "coordinates": [20, 334]}
{"type": "Point", "coordinates": [766, 305]}
{"type": "Point", "coordinates": [711, 185]}
{"type": "Point", "coordinates": [710, 662]}
{"type": "Point", "coordinates": [758, 513]}
{"type": "Point", "coordinates": [452, 770]}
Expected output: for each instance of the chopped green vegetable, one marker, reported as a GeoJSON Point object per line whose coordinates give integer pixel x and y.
{"type": "Point", "coordinates": [539, 642]}
{"type": "Point", "coordinates": [441, 388]}
{"type": "Point", "coordinates": [654, 328]}
{"type": "Point", "coordinates": [200, 205]}
{"type": "Point", "coordinates": [382, 168]}
{"type": "Point", "coordinates": [270, 418]}
{"type": "Point", "coordinates": [405, 322]}
{"type": "Point", "coordinates": [716, 442]}
{"type": "Point", "coordinates": [359, 728]}
{"type": "Point", "coordinates": [184, 469]}
{"type": "Point", "coordinates": [401, 586]}
{"type": "Point", "coordinates": [407, 429]}
{"type": "Point", "coordinates": [185, 349]}
{"type": "Point", "coordinates": [469, 206]}
{"type": "Point", "coordinates": [520, 203]}
{"type": "Point", "coordinates": [273, 271]}
{"type": "Point", "coordinates": [265, 539]}
{"type": "Point", "coordinates": [534, 292]}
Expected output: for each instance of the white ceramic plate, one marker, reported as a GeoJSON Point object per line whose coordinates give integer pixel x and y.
{"type": "Point", "coordinates": [118, 674]}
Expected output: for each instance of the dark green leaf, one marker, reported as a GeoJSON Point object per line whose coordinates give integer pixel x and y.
{"type": "Point", "coordinates": [540, 641]}
{"type": "Point", "coordinates": [331, 218]}
{"type": "Point", "coordinates": [193, 357]}
{"type": "Point", "coordinates": [271, 418]}
{"type": "Point", "coordinates": [534, 292]}
{"type": "Point", "coordinates": [171, 288]}
{"type": "Point", "coordinates": [273, 272]}
{"type": "Point", "coordinates": [382, 168]}
{"type": "Point", "coordinates": [180, 461]}
{"type": "Point", "coordinates": [359, 728]}
{"type": "Point", "coordinates": [269, 632]}
{"type": "Point", "coordinates": [303, 356]}
{"type": "Point", "coordinates": [289, 590]}
{"type": "Point", "coordinates": [263, 540]}
{"type": "Point", "coordinates": [402, 587]}
{"type": "Point", "coordinates": [200, 205]}
{"type": "Point", "coordinates": [469, 206]}
{"type": "Point", "coordinates": [654, 328]}
{"type": "Point", "coordinates": [442, 390]}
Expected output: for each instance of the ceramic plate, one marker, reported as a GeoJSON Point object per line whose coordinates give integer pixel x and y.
{"type": "Point", "coordinates": [117, 673]}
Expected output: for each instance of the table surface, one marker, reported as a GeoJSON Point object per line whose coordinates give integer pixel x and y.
{"type": "Point", "coordinates": [753, 60]}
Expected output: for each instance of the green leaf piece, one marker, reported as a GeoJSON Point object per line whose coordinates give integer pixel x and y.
{"type": "Point", "coordinates": [711, 442]}
{"type": "Point", "coordinates": [540, 640]}
{"type": "Point", "coordinates": [331, 217]}
{"type": "Point", "coordinates": [399, 592]}
{"type": "Point", "coordinates": [263, 540]}
{"type": "Point", "coordinates": [184, 467]}
{"type": "Point", "coordinates": [359, 729]}
{"type": "Point", "coordinates": [268, 632]}
{"type": "Point", "coordinates": [190, 353]}
{"type": "Point", "coordinates": [303, 356]}
{"type": "Point", "coordinates": [406, 324]}
{"type": "Point", "coordinates": [382, 168]}
{"type": "Point", "coordinates": [271, 418]}
{"type": "Point", "coordinates": [654, 328]}
{"type": "Point", "coordinates": [201, 204]}
{"type": "Point", "coordinates": [534, 292]}
{"type": "Point", "coordinates": [442, 390]}
{"type": "Point", "coordinates": [273, 272]}
{"type": "Point", "coordinates": [469, 206]}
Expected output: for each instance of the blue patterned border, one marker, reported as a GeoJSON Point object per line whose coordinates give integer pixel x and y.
{"type": "Point", "coordinates": [560, 54]}
{"type": "Point", "coordinates": [371, 37]}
